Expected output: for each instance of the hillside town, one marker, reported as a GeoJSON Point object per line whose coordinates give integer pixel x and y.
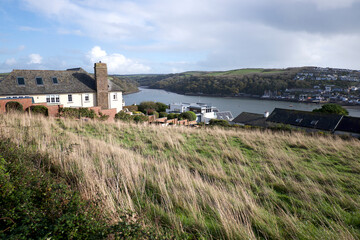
{"type": "Point", "coordinates": [323, 92]}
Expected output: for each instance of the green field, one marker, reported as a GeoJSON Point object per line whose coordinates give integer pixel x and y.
{"type": "Point", "coordinates": [207, 183]}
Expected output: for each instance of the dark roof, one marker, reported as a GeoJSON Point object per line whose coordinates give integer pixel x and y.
{"type": "Point", "coordinates": [252, 119]}
{"type": "Point", "coordinates": [74, 80]}
{"type": "Point", "coordinates": [224, 115]}
{"type": "Point", "coordinates": [322, 121]}
{"type": "Point", "coordinates": [349, 124]}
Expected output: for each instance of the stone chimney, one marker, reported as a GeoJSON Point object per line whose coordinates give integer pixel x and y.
{"type": "Point", "coordinates": [101, 78]}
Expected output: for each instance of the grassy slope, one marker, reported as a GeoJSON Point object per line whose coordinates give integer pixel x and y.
{"type": "Point", "coordinates": [209, 183]}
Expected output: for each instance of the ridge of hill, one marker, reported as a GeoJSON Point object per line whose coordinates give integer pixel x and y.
{"type": "Point", "coordinates": [208, 183]}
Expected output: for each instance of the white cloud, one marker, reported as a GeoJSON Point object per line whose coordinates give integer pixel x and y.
{"type": "Point", "coordinates": [10, 61]}
{"type": "Point", "coordinates": [117, 63]}
{"type": "Point", "coordinates": [35, 59]}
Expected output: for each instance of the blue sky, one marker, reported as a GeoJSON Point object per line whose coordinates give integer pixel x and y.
{"type": "Point", "coordinates": [166, 36]}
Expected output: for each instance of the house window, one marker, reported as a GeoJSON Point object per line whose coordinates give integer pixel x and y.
{"type": "Point", "coordinates": [87, 98]}
{"type": "Point", "coordinates": [52, 98]}
{"type": "Point", "coordinates": [21, 81]}
{"type": "Point", "coordinates": [55, 80]}
{"type": "Point", "coordinates": [115, 97]}
{"type": "Point", "coordinates": [70, 98]}
{"type": "Point", "coordinates": [39, 81]}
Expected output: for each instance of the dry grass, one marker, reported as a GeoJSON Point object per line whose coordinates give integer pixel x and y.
{"type": "Point", "coordinates": [207, 183]}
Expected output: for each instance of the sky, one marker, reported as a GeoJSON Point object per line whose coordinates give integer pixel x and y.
{"type": "Point", "coordinates": [171, 36]}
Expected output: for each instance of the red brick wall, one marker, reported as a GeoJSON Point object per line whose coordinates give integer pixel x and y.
{"type": "Point", "coordinates": [25, 102]}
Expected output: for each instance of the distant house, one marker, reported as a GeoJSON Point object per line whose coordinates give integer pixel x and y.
{"type": "Point", "coordinates": [251, 119]}
{"type": "Point", "coordinates": [69, 88]}
{"type": "Point", "coordinates": [311, 121]}
{"type": "Point", "coordinates": [204, 112]}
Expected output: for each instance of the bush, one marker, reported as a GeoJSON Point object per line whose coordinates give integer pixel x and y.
{"type": "Point", "coordinates": [123, 116]}
{"type": "Point", "coordinates": [39, 109]}
{"type": "Point", "coordinates": [161, 107]}
{"type": "Point", "coordinates": [333, 109]}
{"type": "Point", "coordinates": [189, 115]}
{"type": "Point", "coordinates": [153, 112]}
{"type": "Point", "coordinates": [14, 106]}
{"type": "Point", "coordinates": [158, 106]}
{"type": "Point", "coordinates": [173, 115]}
{"type": "Point", "coordinates": [140, 118]}
{"type": "Point", "coordinates": [163, 114]}
{"type": "Point", "coordinates": [77, 112]}
{"type": "Point", "coordinates": [103, 117]}
{"type": "Point", "coordinates": [218, 122]}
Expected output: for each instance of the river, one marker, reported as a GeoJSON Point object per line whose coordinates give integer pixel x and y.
{"type": "Point", "coordinates": [234, 105]}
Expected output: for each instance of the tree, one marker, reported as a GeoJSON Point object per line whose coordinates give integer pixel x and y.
{"type": "Point", "coordinates": [332, 108]}
{"type": "Point", "coordinates": [189, 115]}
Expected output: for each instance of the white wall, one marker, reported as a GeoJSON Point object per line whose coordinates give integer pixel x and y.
{"type": "Point", "coordinates": [116, 102]}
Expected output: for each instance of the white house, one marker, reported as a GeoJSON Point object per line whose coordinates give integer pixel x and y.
{"type": "Point", "coordinates": [70, 88]}
{"type": "Point", "coordinates": [204, 112]}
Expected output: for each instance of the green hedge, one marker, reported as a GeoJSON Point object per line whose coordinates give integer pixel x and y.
{"type": "Point", "coordinates": [77, 112]}
{"type": "Point", "coordinates": [14, 106]}
{"type": "Point", "coordinates": [39, 109]}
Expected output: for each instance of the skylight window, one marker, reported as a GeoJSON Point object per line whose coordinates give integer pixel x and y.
{"type": "Point", "coordinates": [39, 81]}
{"type": "Point", "coordinates": [314, 122]}
{"type": "Point", "coordinates": [55, 80]}
{"type": "Point", "coordinates": [21, 81]}
{"type": "Point", "coordinates": [298, 120]}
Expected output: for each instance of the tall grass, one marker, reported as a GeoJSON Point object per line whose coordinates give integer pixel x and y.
{"type": "Point", "coordinates": [206, 183]}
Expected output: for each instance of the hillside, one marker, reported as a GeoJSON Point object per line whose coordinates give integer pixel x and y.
{"type": "Point", "coordinates": [253, 81]}
{"type": "Point", "coordinates": [206, 183]}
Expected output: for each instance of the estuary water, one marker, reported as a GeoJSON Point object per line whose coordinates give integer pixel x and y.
{"type": "Point", "coordinates": [234, 105]}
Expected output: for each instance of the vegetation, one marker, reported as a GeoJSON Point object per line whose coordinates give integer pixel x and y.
{"type": "Point", "coordinates": [39, 109]}
{"type": "Point", "coordinates": [189, 115]}
{"type": "Point", "coordinates": [14, 106]}
{"type": "Point", "coordinates": [77, 112]}
{"type": "Point", "coordinates": [332, 108]}
{"type": "Point", "coordinates": [218, 122]}
{"type": "Point", "coordinates": [208, 183]}
{"type": "Point", "coordinates": [230, 83]}
{"type": "Point", "coordinates": [36, 204]}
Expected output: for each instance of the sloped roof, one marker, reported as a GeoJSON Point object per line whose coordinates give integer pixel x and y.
{"type": "Point", "coordinates": [226, 115]}
{"type": "Point", "coordinates": [349, 124]}
{"type": "Point", "coordinates": [69, 81]}
{"type": "Point", "coordinates": [322, 121]}
{"type": "Point", "coordinates": [252, 119]}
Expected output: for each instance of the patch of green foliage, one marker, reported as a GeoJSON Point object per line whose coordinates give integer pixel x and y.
{"type": "Point", "coordinates": [77, 112]}
{"type": "Point", "coordinates": [39, 109]}
{"type": "Point", "coordinates": [189, 115]}
{"type": "Point", "coordinates": [332, 108]}
{"type": "Point", "coordinates": [36, 204]}
{"type": "Point", "coordinates": [14, 106]}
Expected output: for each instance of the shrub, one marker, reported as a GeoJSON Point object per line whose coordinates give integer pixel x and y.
{"type": "Point", "coordinates": [218, 122]}
{"type": "Point", "coordinates": [14, 106]}
{"type": "Point", "coordinates": [153, 112]}
{"type": "Point", "coordinates": [163, 114]}
{"type": "Point", "coordinates": [157, 106]}
{"type": "Point", "coordinates": [161, 107]}
{"type": "Point", "coordinates": [173, 115]}
{"type": "Point", "coordinates": [140, 118]}
{"type": "Point", "coordinates": [189, 115]}
{"type": "Point", "coordinates": [123, 116]}
{"type": "Point", "coordinates": [333, 109]}
{"type": "Point", "coordinates": [77, 112]}
{"type": "Point", "coordinates": [103, 117]}
{"type": "Point", "coordinates": [39, 109]}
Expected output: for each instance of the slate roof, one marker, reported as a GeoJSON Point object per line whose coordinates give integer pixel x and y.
{"type": "Point", "coordinates": [74, 80]}
{"type": "Point", "coordinates": [252, 119]}
{"type": "Point", "coordinates": [349, 124]}
{"type": "Point", "coordinates": [321, 121]}
{"type": "Point", "coordinates": [226, 115]}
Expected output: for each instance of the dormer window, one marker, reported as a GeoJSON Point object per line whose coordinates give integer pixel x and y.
{"type": "Point", "coordinates": [55, 80]}
{"type": "Point", "coordinates": [39, 81]}
{"type": "Point", "coordinates": [21, 81]}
